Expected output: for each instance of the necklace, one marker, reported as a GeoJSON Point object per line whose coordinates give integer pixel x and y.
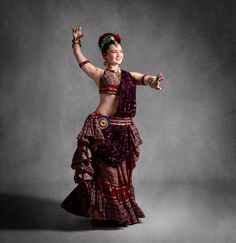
{"type": "Point", "coordinates": [117, 72]}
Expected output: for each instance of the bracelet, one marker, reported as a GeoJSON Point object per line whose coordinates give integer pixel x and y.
{"type": "Point", "coordinates": [152, 81]}
{"type": "Point", "coordinates": [142, 79]}
{"type": "Point", "coordinates": [83, 63]}
{"type": "Point", "coordinates": [76, 41]}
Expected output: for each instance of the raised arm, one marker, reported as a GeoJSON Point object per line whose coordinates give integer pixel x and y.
{"type": "Point", "coordinates": [147, 79]}
{"type": "Point", "coordinates": [91, 70]}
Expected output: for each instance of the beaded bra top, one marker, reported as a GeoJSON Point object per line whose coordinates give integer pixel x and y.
{"type": "Point", "coordinates": [125, 88]}
{"type": "Point", "coordinates": [109, 83]}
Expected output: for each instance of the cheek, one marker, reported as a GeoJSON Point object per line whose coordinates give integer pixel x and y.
{"type": "Point", "coordinates": [122, 55]}
{"type": "Point", "coordinates": [113, 56]}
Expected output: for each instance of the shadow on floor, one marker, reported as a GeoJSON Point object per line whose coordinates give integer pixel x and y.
{"type": "Point", "coordinates": [22, 212]}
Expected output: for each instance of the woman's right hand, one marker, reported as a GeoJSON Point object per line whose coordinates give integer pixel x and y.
{"type": "Point", "coordinates": [77, 33]}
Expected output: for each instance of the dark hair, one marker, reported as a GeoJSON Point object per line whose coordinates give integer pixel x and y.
{"type": "Point", "coordinates": [106, 46]}
{"type": "Point", "coordinates": [108, 39]}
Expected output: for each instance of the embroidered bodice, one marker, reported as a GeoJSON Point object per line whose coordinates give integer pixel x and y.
{"type": "Point", "coordinates": [125, 88]}
{"type": "Point", "coordinates": [109, 83]}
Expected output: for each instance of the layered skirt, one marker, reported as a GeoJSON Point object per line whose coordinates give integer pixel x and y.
{"type": "Point", "coordinates": [106, 154]}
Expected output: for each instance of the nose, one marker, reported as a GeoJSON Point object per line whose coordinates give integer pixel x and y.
{"type": "Point", "coordinates": [119, 54]}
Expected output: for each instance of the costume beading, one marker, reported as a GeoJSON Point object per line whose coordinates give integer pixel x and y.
{"type": "Point", "coordinates": [106, 154]}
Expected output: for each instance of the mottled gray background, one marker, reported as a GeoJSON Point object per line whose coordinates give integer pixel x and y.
{"type": "Point", "coordinates": [185, 178]}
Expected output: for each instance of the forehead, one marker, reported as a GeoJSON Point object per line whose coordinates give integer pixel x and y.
{"type": "Point", "coordinates": [115, 47]}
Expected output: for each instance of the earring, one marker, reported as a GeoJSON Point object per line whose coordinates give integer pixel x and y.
{"type": "Point", "coordinates": [105, 63]}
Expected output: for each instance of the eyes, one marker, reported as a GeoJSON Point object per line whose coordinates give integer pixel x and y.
{"type": "Point", "coordinates": [116, 51]}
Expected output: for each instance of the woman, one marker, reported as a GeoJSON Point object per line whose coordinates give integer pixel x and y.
{"type": "Point", "coordinates": [108, 144]}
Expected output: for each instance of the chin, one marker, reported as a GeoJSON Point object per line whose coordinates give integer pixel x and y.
{"type": "Point", "coordinates": [116, 62]}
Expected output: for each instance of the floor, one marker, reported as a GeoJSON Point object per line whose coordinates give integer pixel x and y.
{"type": "Point", "coordinates": [178, 212]}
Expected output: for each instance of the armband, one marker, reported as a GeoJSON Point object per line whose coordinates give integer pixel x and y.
{"type": "Point", "coordinates": [142, 79]}
{"type": "Point", "coordinates": [83, 63]}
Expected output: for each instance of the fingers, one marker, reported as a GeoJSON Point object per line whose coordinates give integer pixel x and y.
{"type": "Point", "coordinates": [160, 77]}
{"type": "Point", "coordinates": [77, 29]}
{"type": "Point", "coordinates": [77, 32]}
{"type": "Point", "coordinates": [158, 86]}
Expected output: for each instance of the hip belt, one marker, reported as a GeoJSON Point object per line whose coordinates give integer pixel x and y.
{"type": "Point", "coordinates": [104, 121]}
{"type": "Point", "coordinates": [120, 121]}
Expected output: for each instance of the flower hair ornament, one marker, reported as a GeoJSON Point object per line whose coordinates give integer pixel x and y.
{"type": "Point", "coordinates": [107, 38]}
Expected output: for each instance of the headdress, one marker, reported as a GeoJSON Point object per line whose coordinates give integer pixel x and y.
{"type": "Point", "coordinates": [107, 38]}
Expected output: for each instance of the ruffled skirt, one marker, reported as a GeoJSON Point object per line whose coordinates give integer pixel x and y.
{"type": "Point", "coordinates": [103, 162]}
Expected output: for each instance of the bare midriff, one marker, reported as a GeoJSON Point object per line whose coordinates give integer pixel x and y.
{"type": "Point", "coordinates": [108, 104]}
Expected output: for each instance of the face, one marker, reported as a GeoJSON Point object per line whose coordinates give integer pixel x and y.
{"type": "Point", "coordinates": [114, 55]}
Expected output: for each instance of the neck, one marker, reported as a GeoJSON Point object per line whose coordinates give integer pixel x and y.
{"type": "Point", "coordinates": [114, 67]}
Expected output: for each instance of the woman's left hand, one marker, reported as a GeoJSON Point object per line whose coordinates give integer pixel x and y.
{"type": "Point", "coordinates": [159, 78]}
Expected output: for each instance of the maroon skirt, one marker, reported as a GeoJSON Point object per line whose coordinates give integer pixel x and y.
{"type": "Point", "coordinates": [106, 154]}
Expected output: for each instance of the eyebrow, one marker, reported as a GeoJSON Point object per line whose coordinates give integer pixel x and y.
{"type": "Point", "coordinates": [116, 50]}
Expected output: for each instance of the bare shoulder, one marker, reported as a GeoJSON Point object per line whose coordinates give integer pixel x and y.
{"type": "Point", "coordinates": [97, 74]}
{"type": "Point", "coordinates": [137, 77]}
{"type": "Point", "coordinates": [100, 72]}
{"type": "Point", "coordinates": [136, 74]}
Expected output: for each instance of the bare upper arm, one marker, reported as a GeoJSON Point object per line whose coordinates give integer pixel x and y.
{"type": "Point", "coordinates": [137, 76]}
{"type": "Point", "coordinates": [93, 72]}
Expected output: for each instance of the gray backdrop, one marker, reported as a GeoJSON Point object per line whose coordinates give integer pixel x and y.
{"type": "Point", "coordinates": [188, 156]}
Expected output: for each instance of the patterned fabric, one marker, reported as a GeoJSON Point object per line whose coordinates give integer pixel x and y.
{"type": "Point", "coordinates": [109, 83]}
{"type": "Point", "coordinates": [127, 97]}
{"type": "Point", "coordinates": [104, 161]}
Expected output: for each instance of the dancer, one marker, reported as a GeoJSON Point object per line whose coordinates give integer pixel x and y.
{"type": "Point", "coordinates": [108, 144]}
